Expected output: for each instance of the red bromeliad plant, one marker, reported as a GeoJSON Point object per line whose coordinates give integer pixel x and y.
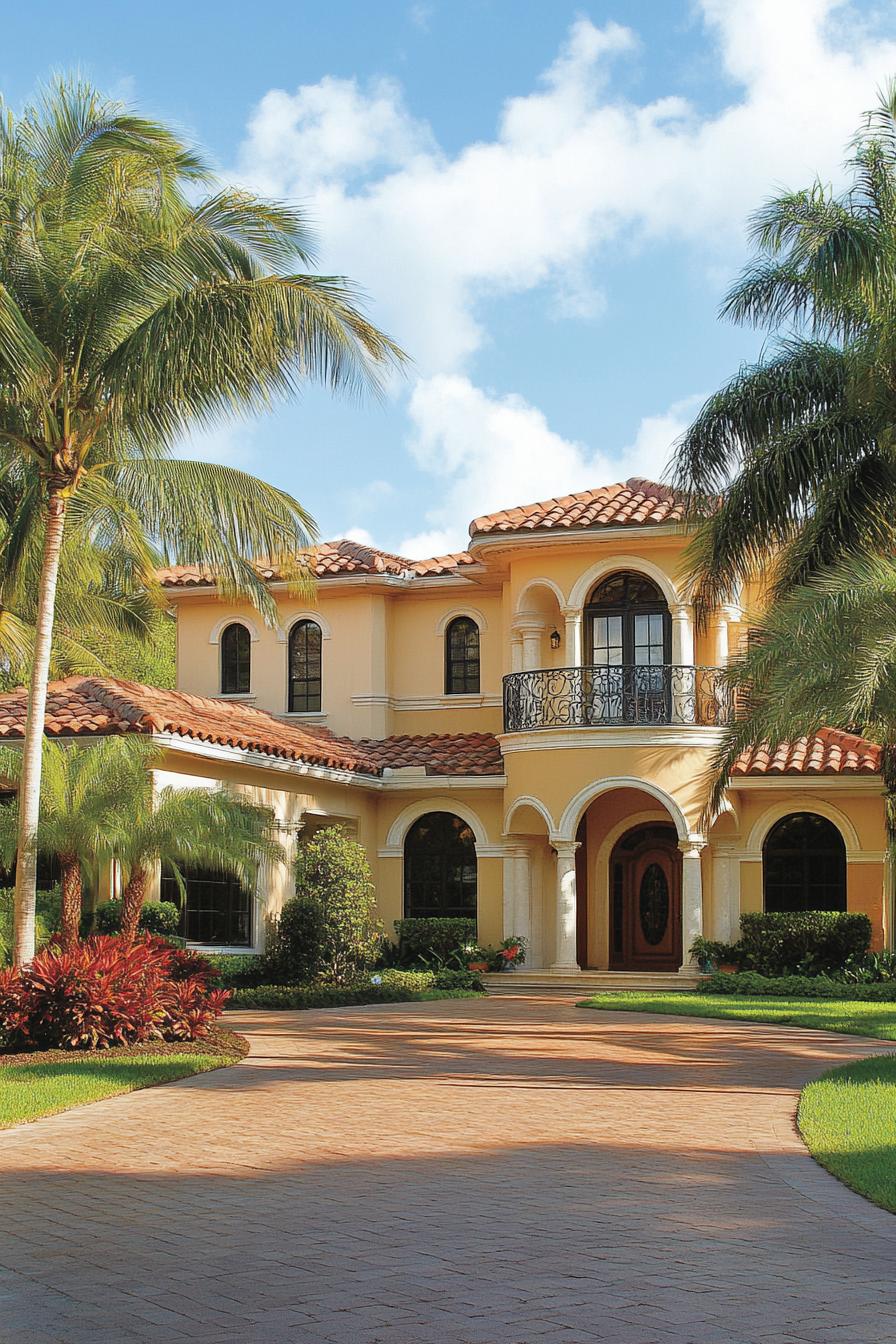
{"type": "Point", "coordinates": [101, 993]}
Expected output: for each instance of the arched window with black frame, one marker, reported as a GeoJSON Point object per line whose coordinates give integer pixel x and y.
{"type": "Point", "coordinates": [462, 657]}
{"type": "Point", "coordinates": [236, 655]}
{"type": "Point", "coordinates": [804, 864]}
{"type": "Point", "coordinates": [440, 868]}
{"type": "Point", "coordinates": [216, 908]}
{"type": "Point", "coordinates": [305, 668]}
{"type": "Point", "coordinates": [629, 632]}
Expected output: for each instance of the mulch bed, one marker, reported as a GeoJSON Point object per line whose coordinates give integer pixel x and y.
{"type": "Point", "coordinates": [226, 1044]}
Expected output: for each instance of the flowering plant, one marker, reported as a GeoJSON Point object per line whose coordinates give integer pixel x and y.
{"type": "Point", "coordinates": [513, 951]}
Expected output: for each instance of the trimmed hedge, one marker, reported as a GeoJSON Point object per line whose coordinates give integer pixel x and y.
{"type": "Point", "coordinates": [427, 940]}
{"type": "Point", "coordinates": [808, 942]}
{"type": "Point", "coordinates": [156, 917]}
{"type": "Point", "coordinates": [388, 986]}
{"type": "Point", "coordinates": [752, 985]}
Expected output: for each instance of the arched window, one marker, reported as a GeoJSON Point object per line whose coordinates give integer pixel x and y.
{"type": "Point", "coordinates": [236, 644]}
{"type": "Point", "coordinates": [440, 868]}
{"type": "Point", "coordinates": [804, 864]}
{"type": "Point", "coordinates": [462, 657]}
{"type": "Point", "coordinates": [216, 908]}
{"type": "Point", "coordinates": [630, 649]}
{"type": "Point", "coordinates": [304, 668]}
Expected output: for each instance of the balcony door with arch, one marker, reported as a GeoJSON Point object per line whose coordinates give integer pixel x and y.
{"type": "Point", "coordinates": [629, 633]}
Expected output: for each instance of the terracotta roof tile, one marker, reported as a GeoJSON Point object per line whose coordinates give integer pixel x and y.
{"type": "Point", "coordinates": [102, 706]}
{"type": "Point", "coordinates": [329, 559]}
{"type": "Point", "coordinates": [827, 752]}
{"type": "Point", "coordinates": [634, 502]}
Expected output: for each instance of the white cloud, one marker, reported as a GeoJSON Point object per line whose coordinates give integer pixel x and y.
{"type": "Point", "coordinates": [359, 534]}
{"type": "Point", "coordinates": [487, 452]}
{"type": "Point", "coordinates": [231, 445]}
{"type": "Point", "coordinates": [571, 168]}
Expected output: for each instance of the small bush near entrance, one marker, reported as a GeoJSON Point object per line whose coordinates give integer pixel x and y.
{"type": "Point", "coordinates": [295, 953]}
{"type": "Point", "coordinates": [809, 942]}
{"type": "Point", "coordinates": [158, 917]}
{"type": "Point", "coordinates": [387, 986]}
{"type": "Point", "coordinates": [424, 941]}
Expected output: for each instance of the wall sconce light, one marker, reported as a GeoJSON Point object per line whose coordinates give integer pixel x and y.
{"type": "Point", "coordinates": [555, 639]}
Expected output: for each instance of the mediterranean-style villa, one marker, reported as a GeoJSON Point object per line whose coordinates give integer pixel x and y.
{"type": "Point", "coordinates": [520, 732]}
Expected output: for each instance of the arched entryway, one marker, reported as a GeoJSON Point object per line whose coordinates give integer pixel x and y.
{"type": "Point", "coordinates": [645, 900]}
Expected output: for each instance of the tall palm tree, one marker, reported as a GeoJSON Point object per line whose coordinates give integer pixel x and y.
{"type": "Point", "coordinates": [215, 828]}
{"type": "Point", "coordinates": [129, 311]}
{"type": "Point", "coordinates": [824, 654]}
{"type": "Point", "coordinates": [794, 460]}
{"type": "Point", "coordinates": [81, 785]}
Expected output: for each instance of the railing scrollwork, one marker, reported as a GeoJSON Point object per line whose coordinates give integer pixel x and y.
{"type": "Point", "coordinates": [599, 696]}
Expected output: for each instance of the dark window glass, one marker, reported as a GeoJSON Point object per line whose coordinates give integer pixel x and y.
{"type": "Point", "coordinates": [235, 658]}
{"type": "Point", "coordinates": [216, 908]}
{"type": "Point", "coordinates": [304, 667]}
{"type": "Point", "coordinates": [804, 864]}
{"type": "Point", "coordinates": [630, 651]}
{"type": "Point", "coordinates": [440, 868]}
{"type": "Point", "coordinates": [462, 657]}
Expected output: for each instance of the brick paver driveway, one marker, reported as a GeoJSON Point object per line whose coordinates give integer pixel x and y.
{"type": "Point", "coordinates": [501, 1171]}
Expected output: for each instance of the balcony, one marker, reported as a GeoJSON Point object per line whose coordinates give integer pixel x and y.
{"type": "Point", "coordinates": [623, 696]}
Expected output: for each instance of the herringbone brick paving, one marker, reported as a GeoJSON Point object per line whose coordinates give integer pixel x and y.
{"type": "Point", "coordinates": [510, 1171]}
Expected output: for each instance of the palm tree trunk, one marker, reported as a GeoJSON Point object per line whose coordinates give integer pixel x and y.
{"type": "Point", "coordinates": [70, 921]}
{"type": "Point", "coordinates": [29, 782]}
{"type": "Point", "coordinates": [132, 903]}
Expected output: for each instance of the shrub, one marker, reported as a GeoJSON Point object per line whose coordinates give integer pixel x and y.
{"type": "Point", "coordinates": [184, 964]}
{"type": "Point", "coordinates": [102, 993]}
{"type": "Point", "coordinates": [240, 969]}
{"type": "Point", "coordinates": [297, 951]}
{"type": "Point", "coordinates": [873, 968]}
{"type": "Point", "coordinates": [810, 942]}
{"type": "Point", "coordinates": [423, 941]}
{"type": "Point", "coordinates": [332, 869]}
{"type": "Point", "coordinates": [753, 985]}
{"type": "Point", "coordinates": [158, 917]}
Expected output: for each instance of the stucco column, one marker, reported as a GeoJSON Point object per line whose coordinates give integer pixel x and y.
{"type": "Point", "coordinates": [522, 916]}
{"type": "Point", "coordinates": [725, 894]}
{"type": "Point", "coordinates": [684, 699]}
{"type": "Point", "coordinates": [531, 632]}
{"type": "Point", "coordinates": [565, 943]}
{"type": "Point", "coordinates": [516, 652]}
{"type": "Point", "coordinates": [691, 896]}
{"type": "Point", "coordinates": [720, 639]}
{"type": "Point", "coordinates": [572, 652]}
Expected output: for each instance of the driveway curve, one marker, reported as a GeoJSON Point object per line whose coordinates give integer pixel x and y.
{"type": "Point", "coordinates": [503, 1171]}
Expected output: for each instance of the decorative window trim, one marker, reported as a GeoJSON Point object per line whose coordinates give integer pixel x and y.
{"type": "Point", "coordinates": [804, 803]}
{"type": "Point", "coordinates": [303, 713]}
{"type": "Point", "coordinates": [218, 630]}
{"type": "Point", "coordinates": [472, 613]}
{"type": "Point", "coordinates": [584, 584]}
{"type": "Point", "coordinates": [465, 662]}
{"type": "Point", "coordinates": [407, 816]}
{"type": "Point", "coordinates": [283, 631]}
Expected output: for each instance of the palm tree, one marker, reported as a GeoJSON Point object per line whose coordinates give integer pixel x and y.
{"type": "Point", "coordinates": [793, 463]}
{"type": "Point", "coordinates": [130, 311]}
{"type": "Point", "coordinates": [825, 654]}
{"type": "Point", "coordinates": [217, 828]}
{"type": "Point", "coordinates": [80, 786]}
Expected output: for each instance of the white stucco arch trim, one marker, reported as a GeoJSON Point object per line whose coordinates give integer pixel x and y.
{"type": "Point", "coordinates": [394, 846]}
{"type": "Point", "coordinates": [526, 800]}
{"type": "Point", "coordinates": [802, 803]}
{"type": "Point", "coordinates": [637, 564]}
{"type": "Point", "coordinates": [221, 626]}
{"type": "Point", "coordinates": [522, 609]}
{"type": "Point", "coordinates": [315, 616]}
{"type": "Point", "coordinates": [473, 613]}
{"type": "Point", "coordinates": [572, 814]}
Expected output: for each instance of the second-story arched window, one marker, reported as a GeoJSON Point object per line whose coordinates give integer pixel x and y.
{"type": "Point", "coordinates": [236, 657]}
{"type": "Point", "coordinates": [304, 668]}
{"type": "Point", "coordinates": [462, 657]}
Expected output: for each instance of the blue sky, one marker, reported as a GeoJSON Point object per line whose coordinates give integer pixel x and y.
{"type": "Point", "coordinates": [544, 203]}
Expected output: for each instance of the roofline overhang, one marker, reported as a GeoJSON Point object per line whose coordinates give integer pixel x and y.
{"type": "Point", "coordinates": [384, 582]}
{"type": "Point", "coordinates": [550, 536]}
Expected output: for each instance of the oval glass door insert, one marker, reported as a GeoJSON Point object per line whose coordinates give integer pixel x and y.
{"type": "Point", "coordinates": [653, 904]}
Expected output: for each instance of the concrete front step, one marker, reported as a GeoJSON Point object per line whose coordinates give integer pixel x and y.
{"type": "Point", "coordinates": [585, 982]}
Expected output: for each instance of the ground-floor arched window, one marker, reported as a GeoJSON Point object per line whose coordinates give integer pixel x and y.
{"type": "Point", "coordinates": [804, 864]}
{"type": "Point", "coordinates": [439, 868]}
{"type": "Point", "coordinates": [217, 908]}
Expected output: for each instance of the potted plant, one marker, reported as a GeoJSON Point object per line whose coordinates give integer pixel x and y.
{"type": "Point", "coordinates": [478, 959]}
{"type": "Point", "coordinates": [711, 955]}
{"type": "Point", "coordinates": [512, 953]}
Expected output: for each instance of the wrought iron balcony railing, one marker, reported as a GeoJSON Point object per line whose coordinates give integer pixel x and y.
{"type": "Point", "coordinates": [585, 697]}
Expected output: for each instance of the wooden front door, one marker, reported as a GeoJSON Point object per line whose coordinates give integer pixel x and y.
{"type": "Point", "coordinates": [645, 900]}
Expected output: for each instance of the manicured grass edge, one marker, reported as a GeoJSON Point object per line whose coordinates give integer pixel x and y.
{"type": "Point", "coordinates": [218, 1050]}
{"type": "Point", "coordinates": [847, 1120]}
{"type": "Point", "coordinates": [871, 1020]}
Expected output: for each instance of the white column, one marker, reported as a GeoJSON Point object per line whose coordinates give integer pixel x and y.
{"type": "Point", "coordinates": [725, 894]}
{"type": "Point", "coordinates": [532, 633]}
{"type": "Point", "coordinates": [691, 896]}
{"type": "Point", "coordinates": [720, 640]}
{"type": "Point", "coordinates": [684, 699]}
{"type": "Point", "coordinates": [522, 901]}
{"type": "Point", "coordinates": [516, 652]}
{"type": "Point", "coordinates": [572, 653]}
{"type": "Point", "coordinates": [509, 892]}
{"type": "Point", "coordinates": [565, 942]}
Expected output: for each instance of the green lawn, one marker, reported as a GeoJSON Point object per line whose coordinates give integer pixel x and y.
{"type": "Point", "coordinates": [28, 1091]}
{"type": "Point", "coordinates": [851, 1018]}
{"type": "Point", "coordinates": [848, 1120]}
